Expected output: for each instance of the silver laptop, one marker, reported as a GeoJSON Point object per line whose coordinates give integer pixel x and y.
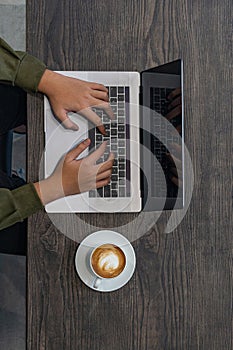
{"type": "Point", "coordinates": [137, 137]}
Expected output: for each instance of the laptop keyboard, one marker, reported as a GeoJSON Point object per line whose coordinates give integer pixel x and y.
{"type": "Point", "coordinates": [159, 103]}
{"type": "Point", "coordinates": [158, 99]}
{"type": "Point", "coordinates": [117, 135]}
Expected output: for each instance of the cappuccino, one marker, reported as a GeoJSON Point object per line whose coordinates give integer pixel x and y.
{"type": "Point", "coordinates": [108, 261]}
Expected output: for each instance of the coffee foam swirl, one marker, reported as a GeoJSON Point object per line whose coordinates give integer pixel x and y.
{"type": "Point", "coordinates": [108, 261]}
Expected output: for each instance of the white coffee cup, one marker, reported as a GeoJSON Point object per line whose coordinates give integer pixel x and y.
{"type": "Point", "coordinates": [107, 261]}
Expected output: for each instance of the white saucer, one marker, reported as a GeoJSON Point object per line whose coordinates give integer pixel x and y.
{"type": "Point", "coordinates": [83, 255]}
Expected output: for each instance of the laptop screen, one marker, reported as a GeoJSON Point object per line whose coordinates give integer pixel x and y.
{"type": "Point", "coordinates": [162, 135]}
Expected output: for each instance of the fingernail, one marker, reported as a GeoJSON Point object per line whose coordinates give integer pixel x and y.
{"type": "Point", "coordinates": [68, 124]}
{"type": "Point", "coordinates": [86, 142]}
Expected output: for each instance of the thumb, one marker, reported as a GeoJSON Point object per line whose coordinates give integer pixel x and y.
{"type": "Point", "coordinates": [65, 120]}
{"type": "Point", "coordinates": [74, 153]}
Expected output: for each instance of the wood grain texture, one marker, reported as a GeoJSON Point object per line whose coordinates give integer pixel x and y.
{"type": "Point", "coordinates": [181, 294]}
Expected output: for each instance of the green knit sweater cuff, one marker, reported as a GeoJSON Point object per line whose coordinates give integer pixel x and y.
{"type": "Point", "coordinates": [26, 200]}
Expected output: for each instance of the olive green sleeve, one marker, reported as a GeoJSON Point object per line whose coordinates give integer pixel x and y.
{"type": "Point", "coordinates": [18, 204]}
{"type": "Point", "coordinates": [19, 68]}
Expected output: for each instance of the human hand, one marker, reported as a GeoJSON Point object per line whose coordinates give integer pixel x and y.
{"type": "Point", "coordinates": [175, 167]}
{"type": "Point", "coordinates": [72, 176]}
{"type": "Point", "coordinates": [174, 104]}
{"type": "Point", "coordinates": [68, 94]}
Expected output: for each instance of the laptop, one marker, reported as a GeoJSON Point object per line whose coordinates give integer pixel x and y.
{"type": "Point", "coordinates": [144, 175]}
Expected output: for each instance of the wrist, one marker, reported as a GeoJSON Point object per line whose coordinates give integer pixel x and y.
{"type": "Point", "coordinates": [49, 190]}
{"type": "Point", "coordinates": [46, 83]}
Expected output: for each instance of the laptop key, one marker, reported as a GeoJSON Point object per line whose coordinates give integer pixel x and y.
{"type": "Point", "coordinates": [121, 105]}
{"type": "Point", "coordinates": [113, 91]}
{"type": "Point", "coordinates": [107, 191]}
{"type": "Point", "coordinates": [114, 147]}
{"type": "Point", "coordinates": [121, 173]}
{"type": "Point", "coordinates": [121, 182]}
{"type": "Point", "coordinates": [99, 113]}
{"type": "Point", "coordinates": [114, 170]}
{"type": "Point", "coordinates": [113, 140]}
{"type": "Point", "coordinates": [92, 193]}
{"type": "Point", "coordinates": [114, 178]}
{"type": "Point", "coordinates": [114, 193]}
{"type": "Point", "coordinates": [100, 191]}
{"type": "Point", "coordinates": [114, 108]}
{"type": "Point", "coordinates": [121, 98]}
{"type": "Point", "coordinates": [163, 93]}
{"type": "Point", "coordinates": [121, 112]}
{"type": "Point", "coordinates": [121, 192]}
{"type": "Point", "coordinates": [121, 120]}
{"type": "Point", "coordinates": [121, 128]}
{"type": "Point", "coordinates": [106, 155]}
{"type": "Point", "coordinates": [121, 89]}
{"type": "Point", "coordinates": [114, 185]}
{"type": "Point", "coordinates": [121, 143]}
{"type": "Point", "coordinates": [99, 137]}
{"type": "Point", "coordinates": [113, 132]}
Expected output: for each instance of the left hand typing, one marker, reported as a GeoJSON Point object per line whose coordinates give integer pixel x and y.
{"type": "Point", "coordinates": [68, 94]}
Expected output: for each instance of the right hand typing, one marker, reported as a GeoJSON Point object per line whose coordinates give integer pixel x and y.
{"type": "Point", "coordinates": [72, 176]}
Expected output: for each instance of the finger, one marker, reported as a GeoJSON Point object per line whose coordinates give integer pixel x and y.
{"type": "Point", "coordinates": [107, 164]}
{"type": "Point", "coordinates": [175, 135]}
{"type": "Point", "coordinates": [174, 171]}
{"type": "Point", "coordinates": [175, 160]}
{"type": "Point", "coordinates": [93, 157]}
{"type": "Point", "coordinates": [100, 95]}
{"type": "Point", "coordinates": [174, 180]}
{"type": "Point", "coordinates": [179, 129]}
{"type": "Point", "coordinates": [103, 183]}
{"type": "Point", "coordinates": [99, 87]}
{"type": "Point", "coordinates": [74, 153]}
{"type": "Point", "coordinates": [109, 111]}
{"type": "Point", "coordinates": [175, 102]}
{"type": "Point", "coordinates": [174, 93]}
{"type": "Point", "coordinates": [104, 175]}
{"type": "Point", "coordinates": [106, 107]}
{"type": "Point", "coordinates": [94, 118]}
{"type": "Point", "coordinates": [177, 148]}
{"type": "Point", "coordinates": [65, 120]}
{"type": "Point", "coordinates": [174, 113]}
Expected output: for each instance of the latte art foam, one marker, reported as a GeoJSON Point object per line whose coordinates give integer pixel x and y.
{"type": "Point", "coordinates": [108, 261]}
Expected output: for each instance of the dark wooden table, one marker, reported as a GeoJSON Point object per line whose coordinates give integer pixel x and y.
{"type": "Point", "coordinates": [180, 296]}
